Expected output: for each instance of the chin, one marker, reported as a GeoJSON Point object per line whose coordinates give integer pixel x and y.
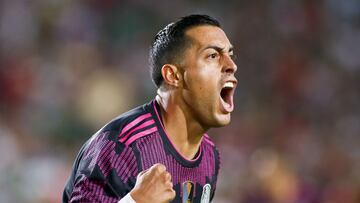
{"type": "Point", "coordinates": [222, 121]}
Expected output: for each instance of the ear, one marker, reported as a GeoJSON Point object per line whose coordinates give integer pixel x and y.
{"type": "Point", "coordinates": [171, 75]}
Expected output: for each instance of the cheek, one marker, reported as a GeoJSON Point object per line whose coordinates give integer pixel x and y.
{"type": "Point", "coordinates": [204, 78]}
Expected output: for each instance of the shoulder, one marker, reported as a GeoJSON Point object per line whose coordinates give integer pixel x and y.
{"type": "Point", "coordinates": [109, 135]}
{"type": "Point", "coordinates": [213, 152]}
{"type": "Point", "coordinates": [105, 151]}
{"type": "Point", "coordinates": [210, 146]}
{"type": "Point", "coordinates": [121, 121]}
{"type": "Point", "coordinates": [132, 125]}
{"type": "Point", "coordinates": [208, 142]}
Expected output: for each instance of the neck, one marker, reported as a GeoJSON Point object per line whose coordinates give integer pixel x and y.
{"type": "Point", "coordinates": [185, 133]}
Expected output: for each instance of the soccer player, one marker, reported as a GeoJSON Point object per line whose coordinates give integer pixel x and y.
{"type": "Point", "coordinates": [160, 152]}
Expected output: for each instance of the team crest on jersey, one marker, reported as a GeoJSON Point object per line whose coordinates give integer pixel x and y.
{"type": "Point", "coordinates": [205, 197]}
{"type": "Point", "coordinates": [187, 192]}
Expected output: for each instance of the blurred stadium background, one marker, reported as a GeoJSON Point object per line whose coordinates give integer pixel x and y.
{"type": "Point", "coordinates": [67, 67]}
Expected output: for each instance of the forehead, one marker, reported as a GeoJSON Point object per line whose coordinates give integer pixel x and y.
{"type": "Point", "coordinates": [205, 35]}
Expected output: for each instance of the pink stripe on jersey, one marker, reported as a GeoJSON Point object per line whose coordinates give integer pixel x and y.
{"type": "Point", "coordinates": [104, 155]}
{"type": "Point", "coordinates": [134, 122]}
{"type": "Point", "coordinates": [140, 134]}
{"type": "Point", "coordinates": [125, 165]}
{"type": "Point", "coordinates": [147, 123]}
{"type": "Point", "coordinates": [104, 159]}
{"type": "Point", "coordinates": [90, 191]}
{"type": "Point", "coordinates": [208, 140]}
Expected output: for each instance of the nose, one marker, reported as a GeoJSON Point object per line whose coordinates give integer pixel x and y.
{"type": "Point", "coordinates": [229, 65]}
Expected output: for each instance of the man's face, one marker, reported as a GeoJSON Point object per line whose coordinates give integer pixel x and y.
{"type": "Point", "coordinates": [208, 76]}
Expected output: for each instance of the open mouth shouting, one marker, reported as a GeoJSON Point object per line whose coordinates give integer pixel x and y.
{"type": "Point", "coordinates": [227, 96]}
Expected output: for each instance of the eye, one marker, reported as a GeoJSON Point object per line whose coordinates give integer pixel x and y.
{"type": "Point", "coordinates": [213, 56]}
{"type": "Point", "coordinates": [233, 56]}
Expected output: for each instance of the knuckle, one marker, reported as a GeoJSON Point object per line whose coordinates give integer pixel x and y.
{"type": "Point", "coordinates": [168, 176]}
{"type": "Point", "coordinates": [165, 176]}
{"type": "Point", "coordinates": [173, 194]}
{"type": "Point", "coordinates": [159, 168]}
{"type": "Point", "coordinates": [141, 173]}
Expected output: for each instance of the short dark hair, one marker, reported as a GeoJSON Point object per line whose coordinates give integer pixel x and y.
{"type": "Point", "coordinates": [170, 43]}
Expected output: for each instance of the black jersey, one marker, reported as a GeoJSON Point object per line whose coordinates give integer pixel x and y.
{"type": "Point", "coordinates": [107, 165]}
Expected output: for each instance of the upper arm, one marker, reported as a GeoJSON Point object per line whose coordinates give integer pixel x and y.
{"type": "Point", "coordinates": [106, 172]}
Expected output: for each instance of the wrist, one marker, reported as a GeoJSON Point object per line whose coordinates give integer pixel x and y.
{"type": "Point", "coordinates": [136, 196]}
{"type": "Point", "coordinates": [127, 199]}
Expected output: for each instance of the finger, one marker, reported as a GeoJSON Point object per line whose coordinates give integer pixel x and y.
{"type": "Point", "coordinates": [169, 185]}
{"type": "Point", "coordinates": [167, 176]}
{"type": "Point", "coordinates": [142, 172]}
{"type": "Point", "coordinates": [171, 194]}
{"type": "Point", "coordinates": [157, 168]}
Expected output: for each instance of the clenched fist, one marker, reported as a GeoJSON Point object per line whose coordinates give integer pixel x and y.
{"type": "Point", "coordinates": [153, 185]}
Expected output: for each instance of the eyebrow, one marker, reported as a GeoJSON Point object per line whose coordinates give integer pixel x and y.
{"type": "Point", "coordinates": [218, 48]}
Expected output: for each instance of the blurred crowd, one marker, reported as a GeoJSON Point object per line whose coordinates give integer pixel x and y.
{"type": "Point", "coordinates": [68, 67]}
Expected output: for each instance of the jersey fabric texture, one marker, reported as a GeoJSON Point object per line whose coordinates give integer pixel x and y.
{"type": "Point", "coordinates": [107, 165]}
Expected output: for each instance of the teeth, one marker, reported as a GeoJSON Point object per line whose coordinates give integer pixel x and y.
{"type": "Point", "coordinates": [229, 85]}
